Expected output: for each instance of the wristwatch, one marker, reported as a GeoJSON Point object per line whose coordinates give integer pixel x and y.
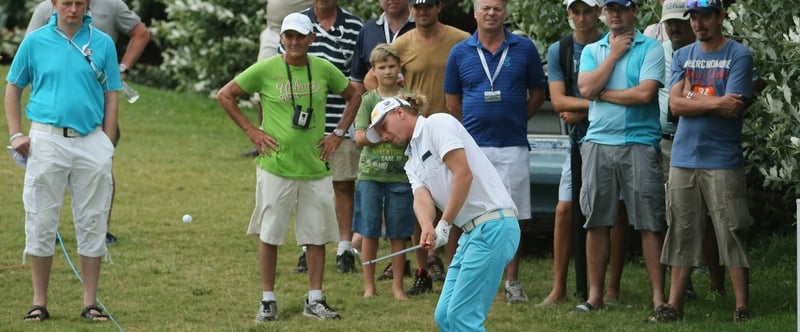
{"type": "Point", "coordinates": [338, 132]}
{"type": "Point", "coordinates": [123, 68]}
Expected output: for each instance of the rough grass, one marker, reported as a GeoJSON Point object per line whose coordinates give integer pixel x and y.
{"type": "Point", "coordinates": [179, 155]}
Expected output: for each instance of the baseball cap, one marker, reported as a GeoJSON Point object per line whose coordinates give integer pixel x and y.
{"type": "Point", "coordinates": [703, 6]}
{"type": "Point", "coordinates": [423, 2]}
{"type": "Point", "coordinates": [673, 10]}
{"type": "Point", "coordinates": [623, 3]}
{"type": "Point", "coordinates": [379, 112]}
{"type": "Point", "coordinates": [297, 22]}
{"type": "Point", "coordinates": [590, 3]}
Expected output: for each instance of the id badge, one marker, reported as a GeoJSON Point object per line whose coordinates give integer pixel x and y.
{"type": "Point", "coordinates": [491, 96]}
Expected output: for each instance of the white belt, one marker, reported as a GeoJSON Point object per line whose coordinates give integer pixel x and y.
{"type": "Point", "coordinates": [66, 132]}
{"type": "Point", "coordinates": [494, 215]}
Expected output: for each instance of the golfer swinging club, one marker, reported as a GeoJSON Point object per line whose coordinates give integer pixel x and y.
{"type": "Point", "coordinates": [447, 170]}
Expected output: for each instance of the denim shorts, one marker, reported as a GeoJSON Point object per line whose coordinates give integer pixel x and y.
{"type": "Point", "coordinates": [379, 202]}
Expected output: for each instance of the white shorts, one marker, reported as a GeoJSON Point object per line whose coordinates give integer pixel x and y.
{"type": "Point", "coordinates": [310, 200]}
{"type": "Point", "coordinates": [56, 162]}
{"type": "Point", "coordinates": [512, 163]}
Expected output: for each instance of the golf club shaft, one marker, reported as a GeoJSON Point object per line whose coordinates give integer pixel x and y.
{"type": "Point", "coordinates": [392, 255]}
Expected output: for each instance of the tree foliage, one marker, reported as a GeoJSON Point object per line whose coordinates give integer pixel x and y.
{"type": "Point", "coordinates": [772, 126]}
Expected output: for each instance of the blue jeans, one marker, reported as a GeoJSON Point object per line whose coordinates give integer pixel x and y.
{"type": "Point", "coordinates": [474, 274]}
{"type": "Point", "coordinates": [379, 202]}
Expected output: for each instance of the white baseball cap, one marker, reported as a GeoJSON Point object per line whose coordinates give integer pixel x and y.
{"type": "Point", "coordinates": [673, 10]}
{"type": "Point", "coordinates": [379, 112]}
{"type": "Point", "coordinates": [590, 3]}
{"type": "Point", "coordinates": [297, 22]}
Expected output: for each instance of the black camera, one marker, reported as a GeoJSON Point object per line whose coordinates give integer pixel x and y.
{"type": "Point", "coordinates": [302, 119]}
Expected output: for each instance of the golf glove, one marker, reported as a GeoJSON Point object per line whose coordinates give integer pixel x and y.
{"type": "Point", "coordinates": [442, 233]}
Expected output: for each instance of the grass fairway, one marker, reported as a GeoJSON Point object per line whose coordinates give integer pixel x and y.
{"type": "Point", "coordinates": [179, 155]}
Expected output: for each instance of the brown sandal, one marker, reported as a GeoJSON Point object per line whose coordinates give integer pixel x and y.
{"type": "Point", "coordinates": [664, 313]}
{"type": "Point", "coordinates": [37, 313]}
{"type": "Point", "coordinates": [93, 313]}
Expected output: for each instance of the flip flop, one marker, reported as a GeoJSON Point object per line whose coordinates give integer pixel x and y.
{"type": "Point", "coordinates": [41, 315]}
{"type": "Point", "coordinates": [583, 307]}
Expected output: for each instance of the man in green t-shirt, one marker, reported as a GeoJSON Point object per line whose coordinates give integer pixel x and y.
{"type": "Point", "coordinates": [292, 173]}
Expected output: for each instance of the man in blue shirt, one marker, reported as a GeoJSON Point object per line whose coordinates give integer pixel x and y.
{"type": "Point", "coordinates": [711, 87]}
{"type": "Point", "coordinates": [73, 72]}
{"type": "Point", "coordinates": [494, 83]}
{"type": "Point", "coordinates": [621, 73]}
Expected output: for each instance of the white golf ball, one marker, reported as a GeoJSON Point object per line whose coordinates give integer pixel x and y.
{"type": "Point", "coordinates": [187, 218]}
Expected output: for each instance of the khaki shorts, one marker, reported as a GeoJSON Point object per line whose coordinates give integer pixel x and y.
{"type": "Point", "coordinates": [666, 156]}
{"type": "Point", "coordinates": [691, 195]}
{"type": "Point", "coordinates": [310, 200]}
{"type": "Point", "coordinates": [344, 165]}
{"type": "Point", "coordinates": [631, 170]}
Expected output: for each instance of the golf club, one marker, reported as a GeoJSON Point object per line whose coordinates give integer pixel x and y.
{"type": "Point", "coordinates": [392, 255]}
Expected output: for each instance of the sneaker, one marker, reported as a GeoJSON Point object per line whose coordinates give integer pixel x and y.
{"type": "Point", "coordinates": [346, 262]}
{"type": "Point", "coordinates": [422, 283]}
{"type": "Point", "coordinates": [320, 310]}
{"type": "Point", "coordinates": [388, 272]}
{"type": "Point", "coordinates": [514, 293]}
{"type": "Point", "coordinates": [110, 238]}
{"type": "Point", "coordinates": [436, 268]}
{"type": "Point", "coordinates": [301, 264]}
{"type": "Point", "coordinates": [268, 311]}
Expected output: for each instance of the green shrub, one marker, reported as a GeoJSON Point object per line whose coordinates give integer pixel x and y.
{"type": "Point", "coordinates": [206, 43]}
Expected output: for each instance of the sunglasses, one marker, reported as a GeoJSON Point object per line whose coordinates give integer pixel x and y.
{"type": "Point", "coordinates": [703, 4]}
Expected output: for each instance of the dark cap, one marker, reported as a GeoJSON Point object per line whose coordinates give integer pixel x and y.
{"type": "Point", "coordinates": [623, 3]}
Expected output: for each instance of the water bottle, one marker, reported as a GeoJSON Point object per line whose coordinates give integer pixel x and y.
{"type": "Point", "coordinates": [130, 94]}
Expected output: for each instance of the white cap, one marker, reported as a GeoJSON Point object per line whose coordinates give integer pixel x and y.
{"type": "Point", "coordinates": [297, 22]}
{"type": "Point", "coordinates": [673, 10]}
{"type": "Point", "coordinates": [379, 112]}
{"type": "Point", "coordinates": [590, 3]}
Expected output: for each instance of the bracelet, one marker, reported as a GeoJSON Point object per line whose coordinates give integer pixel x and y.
{"type": "Point", "coordinates": [13, 137]}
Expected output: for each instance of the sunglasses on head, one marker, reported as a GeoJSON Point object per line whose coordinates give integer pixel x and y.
{"type": "Point", "coordinates": [703, 4]}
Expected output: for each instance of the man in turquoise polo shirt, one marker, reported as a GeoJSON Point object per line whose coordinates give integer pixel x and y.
{"type": "Point", "coordinates": [621, 74]}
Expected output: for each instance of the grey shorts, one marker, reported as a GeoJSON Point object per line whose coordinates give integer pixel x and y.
{"type": "Point", "coordinates": [631, 170]}
{"type": "Point", "coordinates": [691, 195]}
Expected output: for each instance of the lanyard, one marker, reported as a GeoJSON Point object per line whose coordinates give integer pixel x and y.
{"type": "Point", "coordinates": [291, 84]}
{"type": "Point", "coordinates": [486, 66]}
{"type": "Point", "coordinates": [387, 34]}
{"type": "Point", "coordinates": [86, 51]}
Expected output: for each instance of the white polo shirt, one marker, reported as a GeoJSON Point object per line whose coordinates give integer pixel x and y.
{"type": "Point", "coordinates": [433, 138]}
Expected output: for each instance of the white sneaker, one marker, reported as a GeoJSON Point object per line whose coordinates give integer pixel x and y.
{"type": "Point", "coordinates": [320, 310]}
{"type": "Point", "coordinates": [514, 293]}
{"type": "Point", "coordinates": [268, 311]}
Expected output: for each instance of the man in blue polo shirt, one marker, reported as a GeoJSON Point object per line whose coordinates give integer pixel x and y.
{"type": "Point", "coordinates": [621, 73]}
{"type": "Point", "coordinates": [73, 72]}
{"type": "Point", "coordinates": [395, 20]}
{"type": "Point", "coordinates": [494, 83]}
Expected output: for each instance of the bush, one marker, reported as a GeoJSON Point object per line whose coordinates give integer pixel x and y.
{"type": "Point", "coordinates": [206, 43]}
{"type": "Point", "coordinates": [772, 124]}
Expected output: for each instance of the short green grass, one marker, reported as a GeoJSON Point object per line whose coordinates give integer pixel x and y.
{"type": "Point", "coordinates": [179, 155]}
